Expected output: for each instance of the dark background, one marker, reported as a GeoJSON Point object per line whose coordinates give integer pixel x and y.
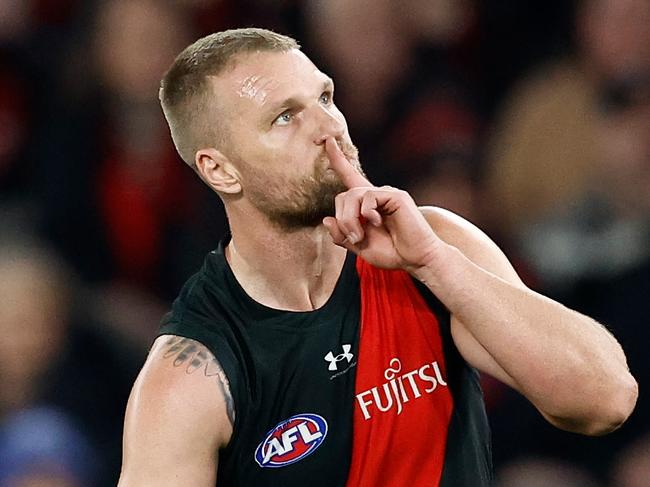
{"type": "Point", "coordinates": [531, 119]}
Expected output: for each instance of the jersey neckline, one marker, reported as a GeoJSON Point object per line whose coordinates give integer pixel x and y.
{"type": "Point", "coordinates": [258, 311]}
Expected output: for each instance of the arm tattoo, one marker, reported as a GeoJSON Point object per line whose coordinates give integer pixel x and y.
{"type": "Point", "coordinates": [194, 356]}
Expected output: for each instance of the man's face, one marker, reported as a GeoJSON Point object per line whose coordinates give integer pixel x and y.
{"type": "Point", "coordinates": [278, 110]}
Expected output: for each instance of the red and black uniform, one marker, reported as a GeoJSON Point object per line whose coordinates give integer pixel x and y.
{"type": "Point", "coordinates": [366, 391]}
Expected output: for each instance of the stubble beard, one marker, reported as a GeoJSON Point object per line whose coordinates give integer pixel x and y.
{"type": "Point", "coordinates": [295, 204]}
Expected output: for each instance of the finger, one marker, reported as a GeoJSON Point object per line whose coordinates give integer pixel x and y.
{"type": "Point", "coordinates": [387, 200]}
{"type": "Point", "coordinates": [338, 237]}
{"type": "Point", "coordinates": [348, 208]}
{"type": "Point", "coordinates": [335, 232]}
{"type": "Point", "coordinates": [346, 171]}
{"type": "Point", "coordinates": [369, 209]}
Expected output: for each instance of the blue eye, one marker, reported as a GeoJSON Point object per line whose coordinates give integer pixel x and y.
{"type": "Point", "coordinates": [326, 97]}
{"type": "Point", "coordinates": [284, 118]}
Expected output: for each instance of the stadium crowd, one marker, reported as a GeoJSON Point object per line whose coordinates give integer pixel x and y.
{"type": "Point", "coordinates": [531, 119]}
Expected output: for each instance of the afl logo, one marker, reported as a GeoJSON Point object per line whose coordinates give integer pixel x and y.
{"type": "Point", "coordinates": [291, 440]}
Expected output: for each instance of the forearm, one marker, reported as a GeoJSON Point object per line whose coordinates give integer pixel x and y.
{"type": "Point", "coordinates": [563, 362]}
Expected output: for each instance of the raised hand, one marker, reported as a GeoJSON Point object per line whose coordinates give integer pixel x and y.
{"type": "Point", "coordinates": [382, 225]}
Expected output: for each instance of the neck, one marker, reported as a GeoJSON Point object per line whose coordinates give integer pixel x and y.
{"type": "Point", "coordinates": [291, 270]}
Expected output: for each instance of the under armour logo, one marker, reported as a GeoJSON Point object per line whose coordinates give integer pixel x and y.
{"type": "Point", "coordinates": [345, 355]}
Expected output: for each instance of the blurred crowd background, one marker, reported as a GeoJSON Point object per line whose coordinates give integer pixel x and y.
{"type": "Point", "coordinates": [531, 119]}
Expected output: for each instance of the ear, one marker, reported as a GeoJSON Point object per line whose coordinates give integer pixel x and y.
{"type": "Point", "coordinates": [217, 171]}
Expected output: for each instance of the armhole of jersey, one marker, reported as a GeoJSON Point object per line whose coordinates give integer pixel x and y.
{"type": "Point", "coordinates": [218, 347]}
{"type": "Point", "coordinates": [441, 312]}
{"type": "Point", "coordinates": [467, 460]}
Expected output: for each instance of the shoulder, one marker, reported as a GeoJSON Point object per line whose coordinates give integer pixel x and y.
{"type": "Point", "coordinates": [200, 339]}
{"type": "Point", "coordinates": [470, 240]}
{"type": "Point", "coordinates": [181, 390]}
{"type": "Point", "coordinates": [195, 288]}
{"type": "Point", "coordinates": [200, 303]}
{"type": "Point", "coordinates": [176, 420]}
{"type": "Point", "coordinates": [456, 230]}
{"type": "Point", "coordinates": [207, 295]}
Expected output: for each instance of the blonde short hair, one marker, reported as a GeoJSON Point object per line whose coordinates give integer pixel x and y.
{"type": "Point", "coordinates": [185, 92]}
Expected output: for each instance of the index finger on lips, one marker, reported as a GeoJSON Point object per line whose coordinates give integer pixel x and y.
{"type": "Point", "coordinates": [348, 173]}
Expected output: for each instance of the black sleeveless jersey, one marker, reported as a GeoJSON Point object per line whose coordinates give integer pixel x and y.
{"type": "Point", "coordinates": [368, 390]}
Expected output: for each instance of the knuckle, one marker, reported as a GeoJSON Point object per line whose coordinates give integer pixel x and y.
{"type": "Point", "coordinates": [347, 223]}
{"type": "Point", "coordinates": [369, 196]}
{"type": "Point", "coordinates": [403, 194]}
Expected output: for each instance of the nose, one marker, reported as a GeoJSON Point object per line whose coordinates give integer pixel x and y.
{"type": "Point", "coordinates": [330, 124]}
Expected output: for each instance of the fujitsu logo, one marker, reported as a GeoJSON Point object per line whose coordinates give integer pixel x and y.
{"type": "Point", "coordinates": [395, 393]}
{"type": "Point", "coordinates": [346, 355]}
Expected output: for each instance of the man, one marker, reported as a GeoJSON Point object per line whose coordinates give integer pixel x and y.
{"type": "Point", "coordinates": [332, 338]}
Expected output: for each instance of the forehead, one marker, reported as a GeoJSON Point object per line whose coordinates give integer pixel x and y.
{"type": "Point", "coordinates": [262, 78]}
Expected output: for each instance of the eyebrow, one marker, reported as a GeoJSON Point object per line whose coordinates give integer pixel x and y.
{"type": "Point", "coordinates": [328, 84]}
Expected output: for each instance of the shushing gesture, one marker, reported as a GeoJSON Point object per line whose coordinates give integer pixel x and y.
{"type": "Point", "coordinates": [382, 225]}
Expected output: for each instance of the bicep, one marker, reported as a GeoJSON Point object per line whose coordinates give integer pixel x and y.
{"type": "Point", "coordinates": [162, 455]}
{"type": "Point", "coordinates": [174, 426]}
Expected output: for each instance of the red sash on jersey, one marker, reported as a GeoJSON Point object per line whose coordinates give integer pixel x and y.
{"type": "Point", "coordinates": [403, 405]}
